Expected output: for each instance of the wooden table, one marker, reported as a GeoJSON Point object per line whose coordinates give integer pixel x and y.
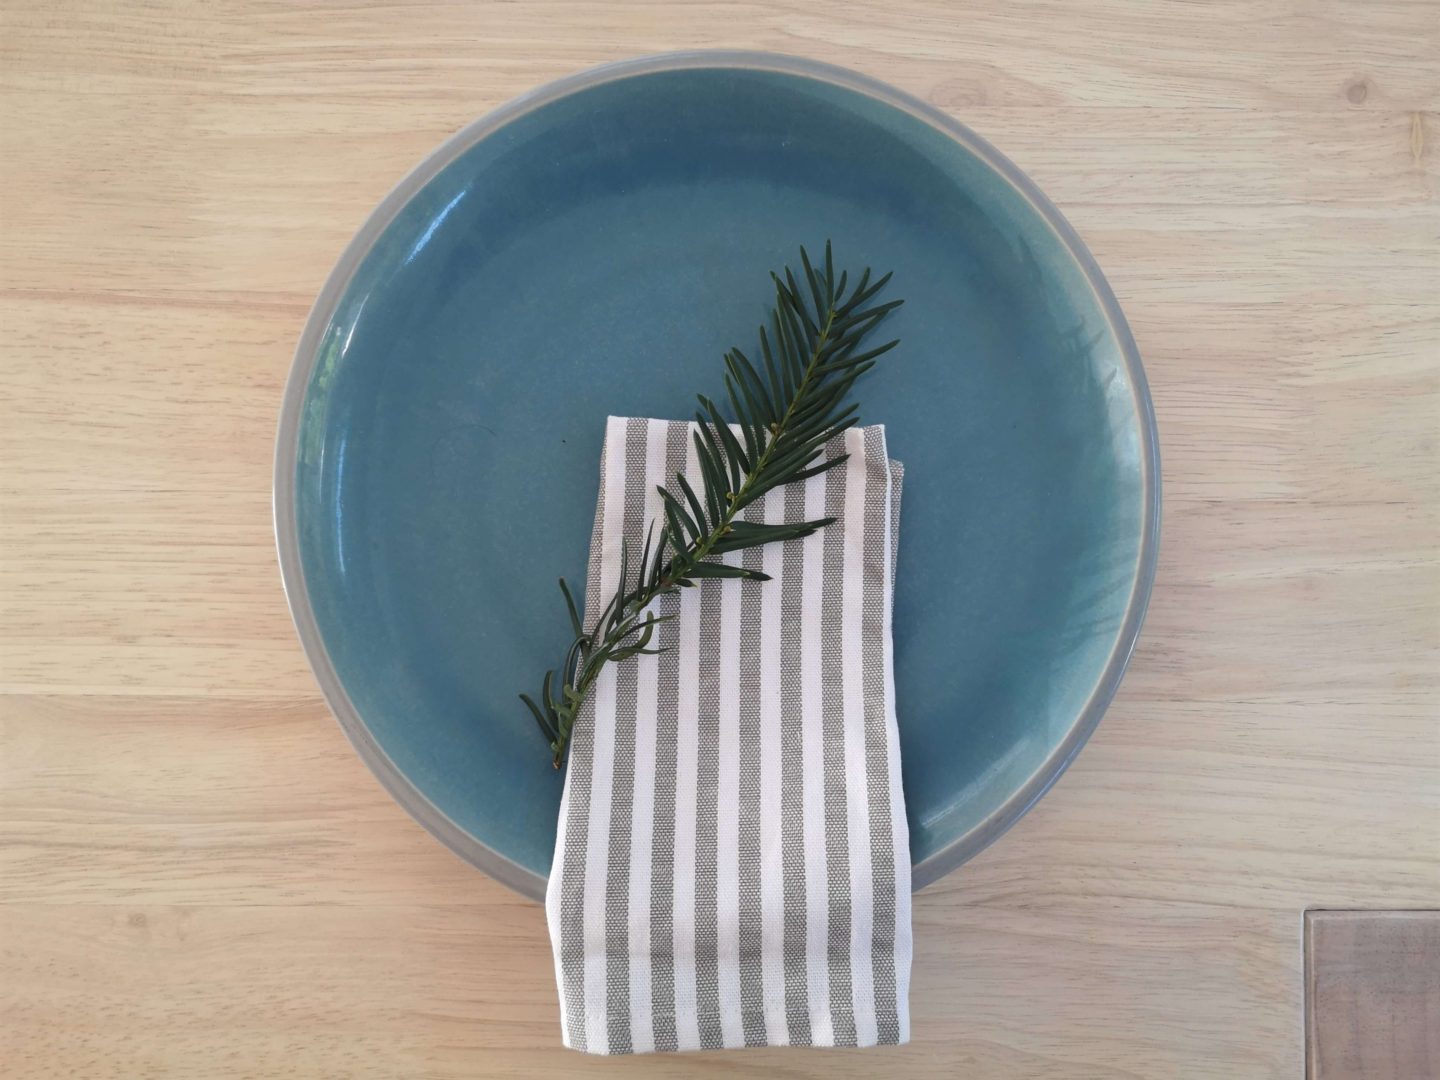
{"type": "Point", "coordinates": [199, 878]}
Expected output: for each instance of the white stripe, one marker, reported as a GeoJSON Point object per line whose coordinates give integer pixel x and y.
{"type": "Point", "coordinates": [557, 867]}
{"type": "Point", "coordinates": [597, 851]}
{"type": "Point", "coordinates": [817, 925]}
{"type": "Point", "coordinates": [772, 718]}
{"type": "Point", "coordinates": [552, 908]}
{"type": "Point", "coordinates": [687, 1030]}
{"type": "Point", "coordinates": [862, 885]}
{"type": "Point", "coordinates": [727, 816]}
{"type": "Point", "coordinates": [642, 825]}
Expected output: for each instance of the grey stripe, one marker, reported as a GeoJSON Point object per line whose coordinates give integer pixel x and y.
{"type": "Point", "coordinates": [707, 783]}
{"type": "Point", "coordinates": [622, 796]}
{"type": "Point", "coordinates": [751, 913]}
{"type": "Point", "coordinates": [792, 773]}
{"type": "Point", "coordinates": [662, 846]}
{"type": "Point", "coordinates": [837, 828]}
{"type": "Point", "coordinates": [897, 482]}
{"type": "Point", "coordinates": [876, 587]}
{"type": "Point", "coordinates": [577, 824]}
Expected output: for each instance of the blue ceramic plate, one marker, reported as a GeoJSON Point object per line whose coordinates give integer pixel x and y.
{"type": "Point", "coordinates": [593, 248]}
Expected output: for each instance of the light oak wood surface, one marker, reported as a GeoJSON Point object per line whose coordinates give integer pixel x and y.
{"type": "Point", "coordinates": [198, 878]}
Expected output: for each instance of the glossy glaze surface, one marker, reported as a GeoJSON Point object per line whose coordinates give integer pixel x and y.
{"type": "Point", "coordinates": [593, 250]}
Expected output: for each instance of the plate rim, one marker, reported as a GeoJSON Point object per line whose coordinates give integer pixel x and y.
{"type": "Point", "coordinates": [286, 457]}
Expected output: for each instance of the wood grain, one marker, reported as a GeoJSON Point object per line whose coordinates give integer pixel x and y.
{"type": "Point", "coordinates": [1372, 995]}
{"type": "Point", "coordinates": [197, 876]}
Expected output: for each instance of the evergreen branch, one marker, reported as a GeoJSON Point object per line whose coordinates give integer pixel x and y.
{"type": "Point", "coordinates": [785, 418]}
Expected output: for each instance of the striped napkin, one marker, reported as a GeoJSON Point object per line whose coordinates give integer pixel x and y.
{"type": "Point", "coordinates": [732, 866]}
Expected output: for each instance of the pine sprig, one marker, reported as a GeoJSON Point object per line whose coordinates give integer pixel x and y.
{"type": "Point", "coordinates": [787, 408]}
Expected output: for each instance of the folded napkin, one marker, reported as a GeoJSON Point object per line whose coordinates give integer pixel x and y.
{"type": "Point", "coordinates": [733, 866]}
